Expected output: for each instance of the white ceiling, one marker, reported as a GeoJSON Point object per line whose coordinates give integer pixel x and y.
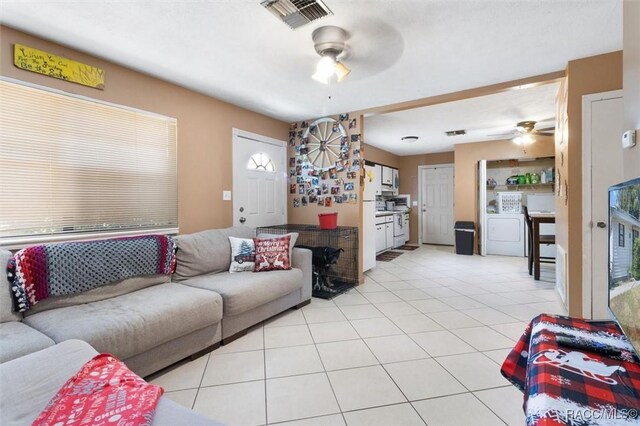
{"type": "Point", "coordinates": [480, 117]}
{"type": "Point", "coordinates": [237, 51]}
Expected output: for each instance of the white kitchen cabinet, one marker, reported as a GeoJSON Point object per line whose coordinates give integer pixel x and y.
{"type": "Point", "coordinates": [389, 234]}
{"type": "Point", "coordinates": [381, 238]}
{"type": "Point", "coordinates": [387, 176]}
{"type": "Point", "coordinates": [377, 179]}
{"type": "Point", "coordinates": [396, 181]}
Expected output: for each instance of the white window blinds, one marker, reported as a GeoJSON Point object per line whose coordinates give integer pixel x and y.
{"type": "Point", "coordinates": [72, 167]}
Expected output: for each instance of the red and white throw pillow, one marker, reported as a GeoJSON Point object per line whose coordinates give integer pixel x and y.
{"type": "Point", "coordinates": [272, 254]}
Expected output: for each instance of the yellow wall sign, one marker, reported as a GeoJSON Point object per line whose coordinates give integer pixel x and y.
{"type": "Point", "coordinates": [34, 60]}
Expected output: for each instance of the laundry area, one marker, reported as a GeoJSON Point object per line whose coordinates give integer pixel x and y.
{"type": "Point", "coordinates": [516, 190]}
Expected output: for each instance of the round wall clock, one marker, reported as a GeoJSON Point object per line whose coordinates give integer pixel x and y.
{"type": "Point", "coordinates": [324, 138]}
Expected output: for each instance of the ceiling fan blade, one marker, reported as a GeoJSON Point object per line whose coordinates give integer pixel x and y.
{"type": "Point", "coordinates": [544, 133]}
{"type": "Point", "coordinates": [546, 129]}
{"type": "Point", "coordinates": [502, 134]}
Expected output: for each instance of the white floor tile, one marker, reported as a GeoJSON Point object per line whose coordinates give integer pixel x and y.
{"type": "Point", "coordinates": [370, 287]}
{"type": "Point", "coordinates": [453, 319]}
{"type": "Point", "coordinates": [294, 335]}
{"type": "Point", "coordinates": [381, 297]}
{"type": "Point", "coordinates": [239, 404]}
{"type": "Point", "coordinates": [414, 294]}
{"type": "Point", "coordinates": [186, 398]}
{"type": "Point", "coordinates": [347, 354]}
{"type": "Point", "coordinates": [333, 332]}
{"type": "Point", "coordinates": [441, 292]}
{"type": "Point", "coordinates": [498, 355]}
{"type": "Point", "coordinates": [292, 361]}
{"type": "Point", "coordinates": [416, 323]}
{"type": "Point", "coordinates": [489, 316]}
{"type": "Point", "coordinates": [298, 397]}
{"type": "Point", "coordinates": [400, 414]}
{"type": "Point", "coordinates": [332, 420]}
{"type": "Point", "coordinates": [456, 410]}
{"type": "Point", "coordinates": [235, 367]}
{"type": "Point", "coordinates": [475, 370]}
{"type": "Point", "coordinates": [364, 388]}
{"type": "Point", "coordinates": [439, 343]}
{"type": "Point", "coordinates": [506, 402]}
{"type": "Point", "coordinates": [333, 314]}
{"type": "Point", "coordinates": [375, 327]}
{"type": "Point", "coordinates": [351, 298]}
{"type": "Point", "coordinates": [361, 312]}
{"type": "Point", "coordinates": [290, 317]}
{"type": "Point", "coordinates": [395, 348]}
{"type": "Point", "coordinates": [252, 341]}
{"type": "Point", "coordinates": [461, 302]}
{"type": "Point", "coordinates": [397, 285]}
{"type": "Point", "coordinates": [395, 309]}
{"type": "Point", "coordinates": [186, 376]}
{"type": "Point", "coordinates": [513, 330]}
{"type": "Point", "coordinates": [423, 378]}
{"type": "Point", "coordinates": [484, 338]}
{"type": "Point", "coordinates": [430, 305]}
{"type": "Point", "coordinates": [492, 299]}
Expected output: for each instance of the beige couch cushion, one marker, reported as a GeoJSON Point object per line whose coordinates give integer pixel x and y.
{"type": "Point", "coordinates": [133, 323]}
{"type": "Point", "coordinates": [207, 251]}
{"type": "Point", "coordinates": [18, 339]}
{"type": "Point", "coordinates": [244, 291]}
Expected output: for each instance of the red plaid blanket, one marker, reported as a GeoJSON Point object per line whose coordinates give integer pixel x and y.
{"type": "Point", "coordinates": [105, 392]}
{"type": "Point", "coordinates": [568, 386]}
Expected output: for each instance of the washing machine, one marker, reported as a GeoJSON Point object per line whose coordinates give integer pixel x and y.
{"type": "Point", "coordinates": [506, 234]}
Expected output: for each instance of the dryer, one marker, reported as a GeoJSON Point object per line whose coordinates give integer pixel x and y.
{"type": "Point", "coordinates": [506, 234]}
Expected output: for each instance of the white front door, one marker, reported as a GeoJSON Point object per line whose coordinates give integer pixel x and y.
{"type": "Point", "coordinates": [603, 116]}
{"type": "Point", "coordinates": [437, 205]}
{"type": "Point", "coordinates": [259, 180]}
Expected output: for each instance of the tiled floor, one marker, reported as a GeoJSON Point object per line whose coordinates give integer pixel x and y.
{"type": "Point", "coordinates": [421, 342]}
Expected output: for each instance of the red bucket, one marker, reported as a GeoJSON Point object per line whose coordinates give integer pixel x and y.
{"type": "Point", "coordinates": [328, 220]}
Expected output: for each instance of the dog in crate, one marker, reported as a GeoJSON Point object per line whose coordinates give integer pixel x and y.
{"type": "Point", "coordinates": [322, 259]}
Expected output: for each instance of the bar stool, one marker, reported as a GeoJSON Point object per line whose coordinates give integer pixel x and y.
{"type": "Point", "coordinates": [544, 239]}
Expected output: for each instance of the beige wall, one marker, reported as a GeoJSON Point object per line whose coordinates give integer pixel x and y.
{"type": "Point", "coordinates": [409, 181]}
{"type": "Point", "coordinates": [631, 83]}
{"type": "Point", "coordinates": [380, 156]}
{"type": "Point", "coordinates": [204, 126]}
{"type": "Point", "coordinates": [594, 74]}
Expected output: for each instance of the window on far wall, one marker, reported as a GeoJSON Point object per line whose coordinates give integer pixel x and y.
{"type": "Point", "coordinates": [620, 235]}
{"type": "Point", "coordinates": [74, 168]}
{"type": "Point", "coordinates": [261, 161]}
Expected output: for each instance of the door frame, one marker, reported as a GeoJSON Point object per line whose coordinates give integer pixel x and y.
{"type": "Point", "coordinates": [420, 169]}
{"type": "Point", "coordinates": [587, 223]}
{"type": "Point", "coordinates": [236, 136]}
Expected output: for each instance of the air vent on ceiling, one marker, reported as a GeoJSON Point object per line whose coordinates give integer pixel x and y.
{"type": "Point", "coordinates": [456, 132]}
{"type": "Point", "coordinates": [296, 13]}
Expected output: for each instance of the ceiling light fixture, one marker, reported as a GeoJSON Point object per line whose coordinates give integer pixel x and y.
{"type": "Point", "coordinates": [409, 139]}
{"type": "Point", "coordinates": [329, 42]}
{"type": "Point", "coordinates": [524, 139]}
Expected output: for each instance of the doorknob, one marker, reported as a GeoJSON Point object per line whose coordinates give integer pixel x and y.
{"type": "Point", "coordinates": [601, 225]}
{"type": "Point", "coordinates": [243, 220]}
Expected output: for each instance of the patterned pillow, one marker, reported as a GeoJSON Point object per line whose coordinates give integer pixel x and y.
{"type": "Point", "coordinates": [272, 254]}
{"type": "Point", "coordinates": [243, 254]}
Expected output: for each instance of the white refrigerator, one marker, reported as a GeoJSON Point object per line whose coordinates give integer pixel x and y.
{"type": "Point", "coordinates": [369, 219]}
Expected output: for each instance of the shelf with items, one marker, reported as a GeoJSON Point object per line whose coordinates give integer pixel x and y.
{"type": "Point", "coordinates": [522, 186]}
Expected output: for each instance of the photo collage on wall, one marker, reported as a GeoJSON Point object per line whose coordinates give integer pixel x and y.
{"type": "Point", "coordinates": [325, 179]}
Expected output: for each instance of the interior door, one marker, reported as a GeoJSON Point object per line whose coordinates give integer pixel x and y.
{"type": "Point", "coordinates": [259, 180]}
{"type": "Point", "coordinates": [437, 205]}
{"type": "Point", "coordinates": [482, 206]}
{"type": "Point", "coordinates": [606, 170]}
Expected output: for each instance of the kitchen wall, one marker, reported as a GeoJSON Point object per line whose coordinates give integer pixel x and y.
{"type": "Point", "coordinates": [379, 156]}
{"type": "Point", "coordinates": [204, 125]}
{"type": "Point", "coordinates": [408, 169]}
{"type": "Point", "coordinates": [631, 82]}
{"type": "Point", "coordinates": [467, 156]}
{"type": "Point", "coordinates": [594, 74]}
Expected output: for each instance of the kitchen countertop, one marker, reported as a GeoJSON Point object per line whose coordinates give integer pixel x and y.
{"type": "Point", "coordinates": [388, 213]}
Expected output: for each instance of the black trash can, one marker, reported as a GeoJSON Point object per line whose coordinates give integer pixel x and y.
{"type": "Point", "coordinates": [465, 235]}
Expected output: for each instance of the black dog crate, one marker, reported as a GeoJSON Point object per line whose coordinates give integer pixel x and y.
{"type": "Point", "coordinates": [343, 274]}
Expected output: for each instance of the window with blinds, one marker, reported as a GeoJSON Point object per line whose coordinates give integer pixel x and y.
{"type": "Point", "coordinates": [74, 168]}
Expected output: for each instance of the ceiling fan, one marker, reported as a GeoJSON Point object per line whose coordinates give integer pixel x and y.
{"type": "Point", "coordinates": [525, 132]}
{"type": "Point", "coordinates": [329, 42]}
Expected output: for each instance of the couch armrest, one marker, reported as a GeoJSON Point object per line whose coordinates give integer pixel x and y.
{"type": "Point", "coordinates": [301, 259]}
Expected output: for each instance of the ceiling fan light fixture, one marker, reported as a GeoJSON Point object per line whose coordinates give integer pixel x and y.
{"type": "Point", "coordinates": [523, 140]}
{"type": "Point", "coordinates": [329, 43]}
{"type": "Point", "coordinates": [341, 71]}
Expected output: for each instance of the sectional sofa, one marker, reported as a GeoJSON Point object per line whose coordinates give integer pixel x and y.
{"type": "Point", "coordinates": [152, 322]}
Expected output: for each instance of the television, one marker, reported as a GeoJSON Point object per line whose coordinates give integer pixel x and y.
{"type": "Point", "coordinates": [624, 258]}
